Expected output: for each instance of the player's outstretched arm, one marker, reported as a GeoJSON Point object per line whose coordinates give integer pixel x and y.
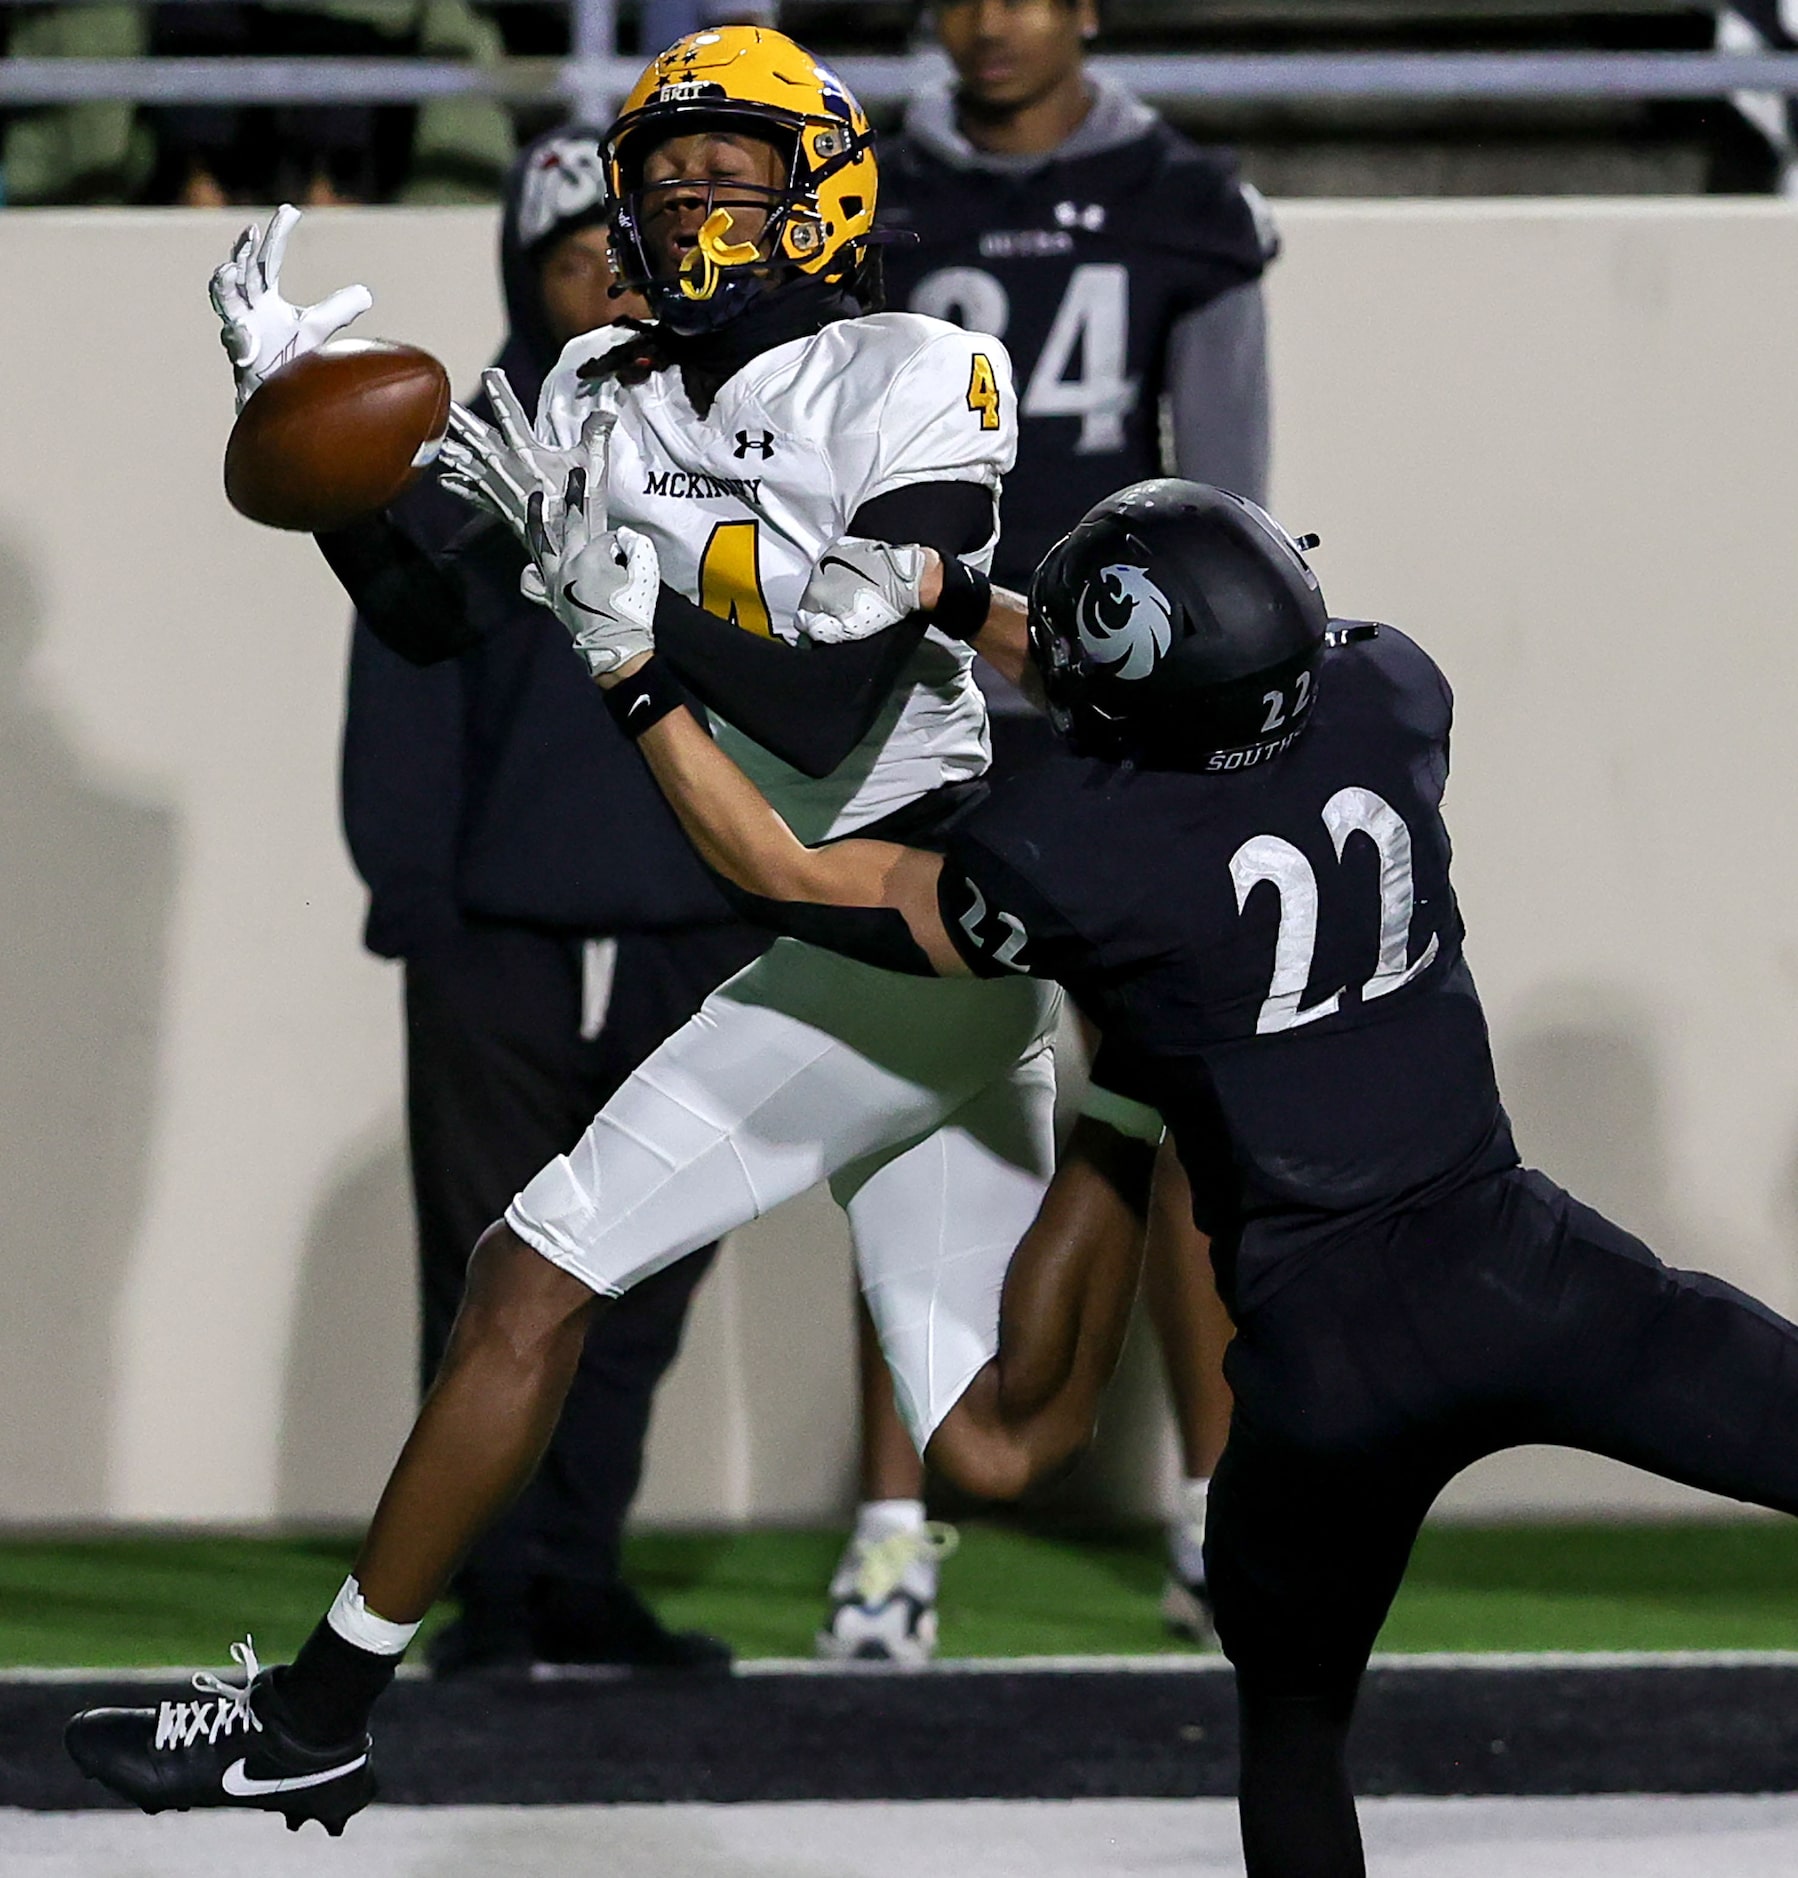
{"type": "Point", "coordinates": [498, 467]}
{"type": "Point", "coordinates": [810, 709]}
{"type": "Point", "coordinates": [863, 587]}
{"type": "Point", "coordinates": [603, 585]}
{"type": "Point", "coordinates": [260, 328]}
{"type": "Point", "coordinates": [1062, 1319]}
{"type": "Point", "coordinates": [812, 705]}
{"type": "Point", "coordinates": [1004, 642]}
{"type": "Point", "coordinates": [735, 831]}
{"type": "Point", "coordinates": [414, 597]}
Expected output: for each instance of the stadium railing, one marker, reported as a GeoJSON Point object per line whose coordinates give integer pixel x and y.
{"type": "Point", "coordinates": [594, 76]}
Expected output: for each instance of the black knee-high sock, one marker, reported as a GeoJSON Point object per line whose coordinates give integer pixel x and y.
{"type": "Point", "coordinates": [1296, 1805]}
{"type": "Point", "coordinates": [324, 1696]}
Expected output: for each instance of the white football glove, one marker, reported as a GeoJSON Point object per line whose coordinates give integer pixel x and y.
{"type": "Point", "coordinates": [601, 583]}
{"type": "Point", "coordinates": [860, 588]}
{"type": "Point", "coordinates": [262, 331]}
{"type": "Point", "coordinates": [500, 466]}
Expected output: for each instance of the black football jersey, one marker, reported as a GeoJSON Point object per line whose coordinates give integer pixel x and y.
{"type": "Point", "coordinates": [1275, 952]}
{"type": "Point", "coordinates": [1082, 268]}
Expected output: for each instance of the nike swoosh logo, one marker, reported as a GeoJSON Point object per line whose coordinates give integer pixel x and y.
{"type": "Point", "coordinates": [830, 560]}
{"type": "Point", "coordinates": [637, 703]}
{"type": "Point", "coordinates": [575, 601]}
{"type": "Point", "coordinates": [241, 1786]}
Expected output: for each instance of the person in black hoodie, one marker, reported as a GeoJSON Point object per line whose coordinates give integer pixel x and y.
{"type": "Point", "coordinates": [554, 927]}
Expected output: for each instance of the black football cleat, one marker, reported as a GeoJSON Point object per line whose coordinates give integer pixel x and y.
{"type": "Point", "coordinates": [225, 1749]}
{"type": "Point", "coordinates": [595, 1626]}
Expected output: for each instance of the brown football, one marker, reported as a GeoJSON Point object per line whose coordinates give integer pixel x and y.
{"type": "Point", "coordinates": [336, 435]}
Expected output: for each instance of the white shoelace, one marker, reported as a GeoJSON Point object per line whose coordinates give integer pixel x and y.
{"type": "Point", "coordinates": [883, 1563]}
{"type": "Point", "coordinates": [227, 1708]}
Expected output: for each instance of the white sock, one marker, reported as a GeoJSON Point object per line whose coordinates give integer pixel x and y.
{"type": "Point", "coordinates": [355, 1623]}
{"type": "Point", "coordinates": [880, 1519]}
{"type": "Point", "coordinates": [1186, 1531]}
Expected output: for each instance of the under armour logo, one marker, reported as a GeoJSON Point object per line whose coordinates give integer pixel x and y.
{"type": "Point", "coordinates": [764, 443]}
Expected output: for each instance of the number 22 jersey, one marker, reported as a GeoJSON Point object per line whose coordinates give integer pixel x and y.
{"type": "Point", "coordinates": [1275, 954]}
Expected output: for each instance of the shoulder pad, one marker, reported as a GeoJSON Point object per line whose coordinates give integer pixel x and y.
{"type": "Point", "coordinates": [1200, 202]}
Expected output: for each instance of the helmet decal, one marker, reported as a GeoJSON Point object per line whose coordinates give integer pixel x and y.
{"type": "Point", "coordinates": [565, 179]}
{"type": "Point", "coordinates": [1175, 625]}
{"type": "Point", "coordinates": [837, 96]}
{"type": "Point", "coordinates": [689, 91]}
{"type": "Point", "coordinates": [1124, 621]}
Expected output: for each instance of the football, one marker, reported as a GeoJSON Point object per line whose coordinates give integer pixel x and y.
{"type": "Point", "coordinates": [336, 434]}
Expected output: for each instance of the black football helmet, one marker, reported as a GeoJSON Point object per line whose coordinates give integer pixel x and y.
{"type": "Point", "coordinates": [1178, 626]}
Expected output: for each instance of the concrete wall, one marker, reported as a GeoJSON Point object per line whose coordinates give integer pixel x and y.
{"type": "Point", "coordinates": [1553, 442]}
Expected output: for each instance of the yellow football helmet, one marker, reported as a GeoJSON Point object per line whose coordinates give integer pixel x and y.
{"type": "Point", "coordinates": [750, 79]}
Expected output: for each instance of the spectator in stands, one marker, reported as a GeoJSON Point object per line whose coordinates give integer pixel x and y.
{"type": "Point", "coordinates": [100, 152]}
{"type": "Point", "coordinates": [1765, 26]}
{"type": "Point", "coordinates": [444, 150]}
{"type": "Point", "coordinates": [1121, 265]}
{"type": "Point", "coordinates": [554, 928]}
{"type": "Point", "coordinates": [205, 155]}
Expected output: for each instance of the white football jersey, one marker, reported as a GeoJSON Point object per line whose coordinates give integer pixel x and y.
{"type": "Point", "coordinates": [742, 503]}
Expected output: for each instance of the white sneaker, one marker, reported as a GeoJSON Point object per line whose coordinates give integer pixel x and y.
{"type": "Point", "coordinates": [1185, 1603]}
{"type": "Point", "coordinates": [1186, 1610]}
{"type": "Point", "coordinates": [883, 1597]}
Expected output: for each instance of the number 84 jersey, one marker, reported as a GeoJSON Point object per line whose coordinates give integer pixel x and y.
{"type": "Point", "coordinates": [742, 502]}
{"type": "Point", "coordinates": [1085, 266]}
{"type": "Point", "coordinates": [1276, 952]}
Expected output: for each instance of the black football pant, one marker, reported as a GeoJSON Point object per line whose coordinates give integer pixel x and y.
{"type": "Point", "coordinates": [500, 1081]}
{"type": "Point", "coordinates": [1506, 1313]}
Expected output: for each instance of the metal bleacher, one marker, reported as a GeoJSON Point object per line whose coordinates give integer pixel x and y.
{"type": "Point", "coordinates": [1322, 97]}
{"type": "Point", "coordinates": [1544, 146]}
{"type": "Point", "coordinates": [1378, 143]}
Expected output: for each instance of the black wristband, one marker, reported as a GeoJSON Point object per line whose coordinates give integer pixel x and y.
{"type": "Point", "coordinates": [645, 698]}
{"type": "Point", "coordinates": [964, 602]}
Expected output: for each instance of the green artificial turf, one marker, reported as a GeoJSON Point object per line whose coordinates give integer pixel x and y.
{"type": "Point", "coordinates": [1667, 1587]}
{"type": "Point", "coordinates": [154, 1600]}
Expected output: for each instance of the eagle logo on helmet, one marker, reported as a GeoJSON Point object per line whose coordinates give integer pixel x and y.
{"type": "Point", "coordinates": [1124, 621]}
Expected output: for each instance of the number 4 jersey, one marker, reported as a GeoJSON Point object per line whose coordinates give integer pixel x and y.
{"type": "Point", "coordinates": [741, 504]}
{"type": "Point", "coordinates": [1275, 954]}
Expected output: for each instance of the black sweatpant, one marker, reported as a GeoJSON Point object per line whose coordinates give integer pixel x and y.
{"type": "Point", "coordinates": [1505, 1313]}
{"type": "Point", "coordinates": [499, 1082]}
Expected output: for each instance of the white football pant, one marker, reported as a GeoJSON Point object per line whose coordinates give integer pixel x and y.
{"type": "Point", "coordinates": [927, 1103]}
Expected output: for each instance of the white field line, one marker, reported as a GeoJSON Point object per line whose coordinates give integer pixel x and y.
{"type": "Point", "coordinates": [1194, 1664]}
